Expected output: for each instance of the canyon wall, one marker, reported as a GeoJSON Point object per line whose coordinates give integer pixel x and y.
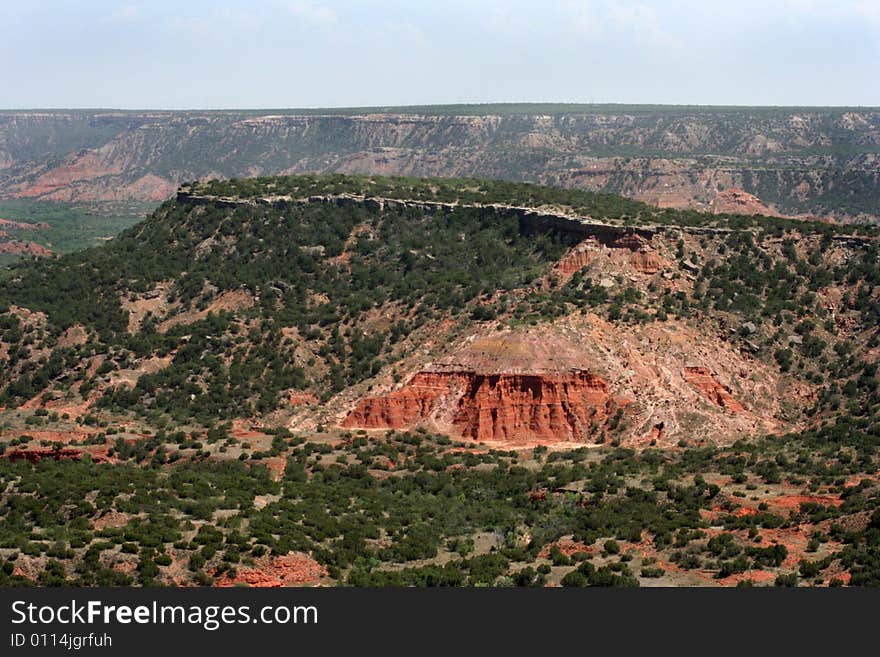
{"type": "Point", "coordinates": [795, 161]}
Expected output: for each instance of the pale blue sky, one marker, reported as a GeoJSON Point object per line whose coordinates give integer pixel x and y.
{"type": "Point", "coordinates": [333, 53]}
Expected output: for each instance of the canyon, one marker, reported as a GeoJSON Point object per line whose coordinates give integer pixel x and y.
{"type": "Point", "coordinates": [371, 381]}
{"type": "Point", "coordinates": [805, 162]}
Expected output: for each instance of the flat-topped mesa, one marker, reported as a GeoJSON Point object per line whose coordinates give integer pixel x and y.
{"type": "Point", "coordinates": [530, 218]}
{"type": "Point", "coordinates": [511, 408]}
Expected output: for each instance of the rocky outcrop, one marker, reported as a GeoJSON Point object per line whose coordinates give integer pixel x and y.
{"type": "Point", "coordinates": [23, 225]}
{"type": "Point", "coordinates": [510, 408]}
{"type": "Point", "coordinates": [631, 241]}
{"type": "Point", "coordinates": [405, 406]}
{"type": "Point", "coordinates": [631, 250]}
{"type": "Point", "coordinates": [575, 260]}
{"type": "Point", "coordinates": [738, 201]}
{"type": "Point", "coordinates": [703, 380]}
{"type": "Point", "coordinates": [24, 247]}
{"type": "Point", "coordinates": [643, 259]}
{"type": "Point", "coordinates": [302, 399]}
{"type": "Point", "coordinates": [63, 454]}
{"type": "Point", "coordinates": [292, 569]}
{"type": "Point", "coordinates": [647, 262]}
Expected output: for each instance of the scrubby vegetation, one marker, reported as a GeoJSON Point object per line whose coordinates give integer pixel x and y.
{"type": "Point", "coordinates": [289, 263]}
{"type": "Point", "coordinates": [472, 191]}
{"type": "Point", "coordinates": [70, 226]}
{"type": "Point", "coordinates": [440, 517]}
{"type": "Point", "coordinates": [212, 312]}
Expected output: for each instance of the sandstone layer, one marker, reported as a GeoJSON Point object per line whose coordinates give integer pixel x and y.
{"type": "Point", "coordinates": [502, 407]}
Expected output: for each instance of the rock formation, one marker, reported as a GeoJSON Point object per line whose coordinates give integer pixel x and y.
{"type": "Point", "coordinates": [498, 407]}
{"type": "Point", "coordinates": [669, 157]}
{"type": "Point", "coordinates": [647, 262]}
{"type": "Point", "coordinates": [302, 399]}
{"type": "Point", "coordinates": [738, 201]}
{"type": "Point", "coordinates": [403, 407]}
{"type": "Point", "coordinates": [63, 454]}
{"type": "Point", "coordinates": [701, 378]}
{"type": "Point", "coordinates": [292, 569]}
{"type": "Point", "coordinates": [24, 247]}
{"type": "Point", "coordinates": [575, 260]}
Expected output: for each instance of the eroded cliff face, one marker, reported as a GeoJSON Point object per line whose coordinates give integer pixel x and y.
{"type": "Point", "coordinates": [583, 378]}
{"type": "Point", "coordinates": [797, 161]}
{"type": "Point", "coordinates": [629, 252]}
{"type": "Point", "coordinates": [509, 408]}
{"type": "Point", "coordinates": [708, 386]}
{"type": "Point", "coordinates": [404, 407]}
{"type": "Point", "coordinates": [575, 260]}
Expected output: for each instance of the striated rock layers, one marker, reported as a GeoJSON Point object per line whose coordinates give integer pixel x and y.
{"type": "Point", "coordinates": [816, 161]}
{"type": "Point", "coordinates": [513, 408]}
{"type": "Point", "coordinates": [576, 259]}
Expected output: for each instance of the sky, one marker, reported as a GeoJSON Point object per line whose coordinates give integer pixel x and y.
{"type": "Point", "coordinates": [216, 54]}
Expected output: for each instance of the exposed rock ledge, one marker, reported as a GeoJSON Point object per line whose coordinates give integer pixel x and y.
{"type": "Point", "coordinates": [535, 218]}
{"type": "Point", "coordinates": [510, 408]}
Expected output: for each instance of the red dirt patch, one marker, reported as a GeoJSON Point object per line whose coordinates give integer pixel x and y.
{"type": "Point", "coordinates": [293, 569]}
{"type": "Point", "coordinates": [567, 546]}
{"type": "Point", "coordinates": [275, 465]}
{"type": "Point", "coordinates": [244, 429]}
{"type": "Point", "coordinates": [795, 540]}
{"type": "Point", "coordinates": [24, 247]}
{"type": "Point", "coordinates": [703, 380]}
{"type": "Point", "coordinates": [744, 511]}
{"type": "Point", "coordinates": [793, 502]}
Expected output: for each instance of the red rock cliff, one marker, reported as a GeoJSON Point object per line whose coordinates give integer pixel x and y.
{"type": "Point", "coordinates": [402, 407]}
{"type": "Point", "coordinates": [518, 408]}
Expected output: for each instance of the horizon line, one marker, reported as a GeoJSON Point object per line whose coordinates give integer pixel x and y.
{"type": "Point", "coordinates": [510, 105]}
